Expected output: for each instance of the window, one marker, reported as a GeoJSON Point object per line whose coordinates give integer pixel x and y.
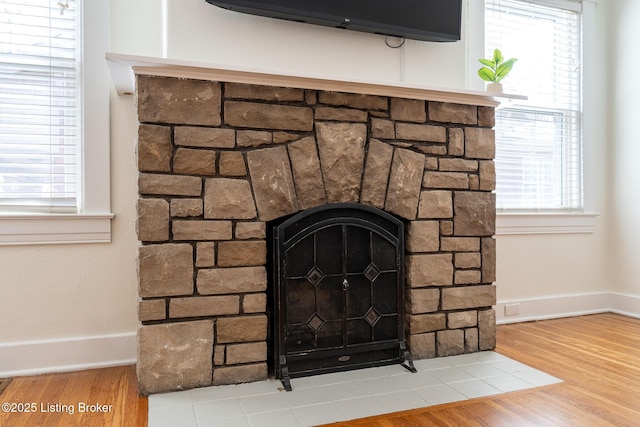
{"type": "Point", "coordinates": [40, 107]}
{"type": "Point", "coordinates": [54, 122]}
{"type": "Point", "coordinates": [538, 141]}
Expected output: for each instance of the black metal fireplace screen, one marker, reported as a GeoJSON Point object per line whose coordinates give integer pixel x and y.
{"type": "Point", "coordinates": [338, 291]}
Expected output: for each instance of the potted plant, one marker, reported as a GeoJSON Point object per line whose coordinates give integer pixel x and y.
{"type": "Point", "coordinates": [495, 70]}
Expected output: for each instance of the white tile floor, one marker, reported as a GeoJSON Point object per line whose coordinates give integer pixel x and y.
{"type": "Point", "coordinates": [347, 395]}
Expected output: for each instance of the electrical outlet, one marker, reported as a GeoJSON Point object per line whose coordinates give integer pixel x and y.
{"type": "Point", "coordinates": [512, 309]}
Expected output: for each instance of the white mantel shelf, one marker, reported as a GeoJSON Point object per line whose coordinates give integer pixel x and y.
{"type": "Point", "coordinates": [125, 67]}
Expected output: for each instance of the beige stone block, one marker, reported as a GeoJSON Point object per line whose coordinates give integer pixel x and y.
{"type": "Point", "coordinates": [487, 329]}
{"type": "Point", "coordinates": [487, 175]}
{"type": "Point", "coordinates": [456, 142]}
{"type": "Point", "coordinates": [456, 180]}
{"type": "Point", "coordinates": [155, 309]}
{"type": "Point", "coordinates": [183, 208]}
{"type": "Point", "coordinates": [422, 346]}
{"type": "Point", "coordinates": [460, 244]}
{"type": "Point", "coordinates": [429, 270]}
{"type": "Point", "coordinates": [423, 236]}
{"type": "Point", "coordinates": [446, 228]}
{"type": "Point", "coordinates": [480, 143]}
{"type": "Point", "coordinates": [474, 213]}
{"type": "Point", "coordinates": [352, 100]}
{"type": "Point", "coordinates": [272, 181]}
{"type": "Point", "coordinates": [241, 329]}
{"type": "Point", "coordinates": [231, 163]}
{"type": "Point", "coordinates": [205, 254]}
{"type": "Point", "coordinates": [474, 182]}
{"type": "Point", "coordinates": [403, 194]}
{"type": "Point", "coordinates": [471, 340]}
{"type": "Point", "coordinates": [188, 161]}
{"type": "Point", "coordinates": [433, 149]}
{"type": "Point", "coordinates": [341, 148]}
{"type": "Point", "coordinates": [187, 136]}
{"type": "Point", "coordinates": [467, 260]}
{"type": "Point", "coordinates": [468, 297]}
{"type": "Point", "coordinates": [246, 353]}
{"type": "Point", "coordinates": [240, 374]}
{"type": "Point", "coordinates": [171, 185]}
{"type": "Point", "coordinates": [165, 270]}
{"type": "Point", "coordinates": [154, 148]}
{"type": "Point", "coordinates": [218, 354]}
{"type": "Point", "coordinates": [422, 301]}
{"type": "Point", "coordinates": [462, 319]}
{"type": "Point", "coordinates": [253, 138]}
{"type": "Point", "coordinates": [231, 280]}
{"type": "Point", "coordinates": [265, 93]}
{"type": "Point", "coordinates": [251, 230]}
{"type": "Point", "coordinates": [174, 356]}
{"type": "Point", "coordinates": [488, 247]}
{"type": "Point", "coordinates": [384, 129]}
{"type": "Point", "coordinates": [431, 163]}
{"type": "Point", "coordinates": [153, 220]}
{"type": "Point", "coordinates": [178, 101]}
{"type": "Point", "coordinates": [201, 230]}
{"type": "Point", "coordinates": [268, 116]}
{"type": "Point", "coordinates": [341, 114]}
{"type": "Point", "coordinates": [311, 97]}
{"type": "Point", "coordinates": [467, 277]}
{"type": "Point", "coordinates": [226, 198]}
{"type": "Point", "coordinates": [450, 342]}
{"type": "Point", "coordinates": [281, 137]}
{"type": "Point", "coordinates": [204, 306]}
{"type": "Point", "coordinates": [421, 323]}
{"type": "Point", "coordinates": [435, 204]}
{"type": "Point", "coordinates": [376, 174]}
{"type": "Point", "coordinates": [422, 133]}
{"type": "Point", "coordinates": [458, 165]}
{"type": "Point", "coordinates": [254, 303]}
{"type": "Point", "coordinates": [486, 117]}
{"type": "Point", "coordinates": [305, 166]}
{"type": "Point", "coordinates": [453, 113]}
{"type": "Point", "coordinates": [408, 110]}
{"type": "Point", "coordinates": [241, 254]}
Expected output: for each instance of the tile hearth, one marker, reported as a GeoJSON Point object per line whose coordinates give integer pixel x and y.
{"type": "Point", "coordinates": [348, 395]}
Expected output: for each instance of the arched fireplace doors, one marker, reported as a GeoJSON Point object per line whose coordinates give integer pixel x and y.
{"type": "Point", "coordinates": [338, 291]}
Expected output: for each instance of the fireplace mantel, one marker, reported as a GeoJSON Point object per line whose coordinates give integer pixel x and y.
{"type": "Point", "coordinates": [125, 67]}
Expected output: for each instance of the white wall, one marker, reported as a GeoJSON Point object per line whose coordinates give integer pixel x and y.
{"type": "Point", "coordinates": [624, 112]}
{"type": "Point", "coordinates": [198, 31]}
{"type": "Point", "coordinates": [62, 293]}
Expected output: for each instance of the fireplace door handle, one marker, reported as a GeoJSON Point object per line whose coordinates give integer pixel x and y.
{"type": "Point", "coordinates": [345, 285]}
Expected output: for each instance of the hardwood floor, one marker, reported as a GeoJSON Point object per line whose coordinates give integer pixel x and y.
{"type": "Point", "coordinates": [597, 357]}
{"type": "Point", "coordinates": [114, 389]}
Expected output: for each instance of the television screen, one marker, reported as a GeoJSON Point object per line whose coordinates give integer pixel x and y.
{"type": "Point", "coordinates": [428, 20]}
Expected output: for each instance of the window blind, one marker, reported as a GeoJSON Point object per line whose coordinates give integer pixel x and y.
{"type": "Point", "coordinates": [538, 141]}
{"type": "Point", "coordinates": [40, 105]}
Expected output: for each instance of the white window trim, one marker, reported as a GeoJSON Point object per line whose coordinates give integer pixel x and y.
{"type": "Point", "coordinates": [93, 223]}
{"type": "Point", "coordinates": [545, 223]}
{"type": "Point", "coordinates": [557, 223]}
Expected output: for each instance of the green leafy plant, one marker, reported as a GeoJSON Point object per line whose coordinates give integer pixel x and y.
{"type": "Point", "coordinates": [495, 69]}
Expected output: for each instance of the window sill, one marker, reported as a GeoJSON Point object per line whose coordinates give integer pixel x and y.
{"type": "Point", "coordinates": [545, 223]}
{"type": "Point", "coordinates": [43, 229]}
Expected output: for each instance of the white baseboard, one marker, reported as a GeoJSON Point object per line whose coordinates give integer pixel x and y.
{"type": "Point", "coordinates": [67, 354]}
{"type": "Point", "coordinates": [531, 309]}
{"type": "Point", "coordinates": [628, 305]}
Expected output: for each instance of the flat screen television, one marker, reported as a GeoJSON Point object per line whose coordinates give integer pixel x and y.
{"type": "Point", "coordinates": [427, 20]}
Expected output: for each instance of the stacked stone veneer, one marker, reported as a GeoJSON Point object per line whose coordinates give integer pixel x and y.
{"type": "Point", "coordinates": [217, 161]}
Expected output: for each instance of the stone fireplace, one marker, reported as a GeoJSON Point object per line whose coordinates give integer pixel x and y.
{"type": "Point", "coordinates": [220, 162]}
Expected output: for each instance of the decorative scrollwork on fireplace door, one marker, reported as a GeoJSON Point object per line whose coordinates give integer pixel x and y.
{"type": "Point", "coordinates": [339, 291]}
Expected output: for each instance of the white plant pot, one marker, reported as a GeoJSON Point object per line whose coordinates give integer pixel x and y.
{"type": "Point", "coordinates": [494, 87]}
